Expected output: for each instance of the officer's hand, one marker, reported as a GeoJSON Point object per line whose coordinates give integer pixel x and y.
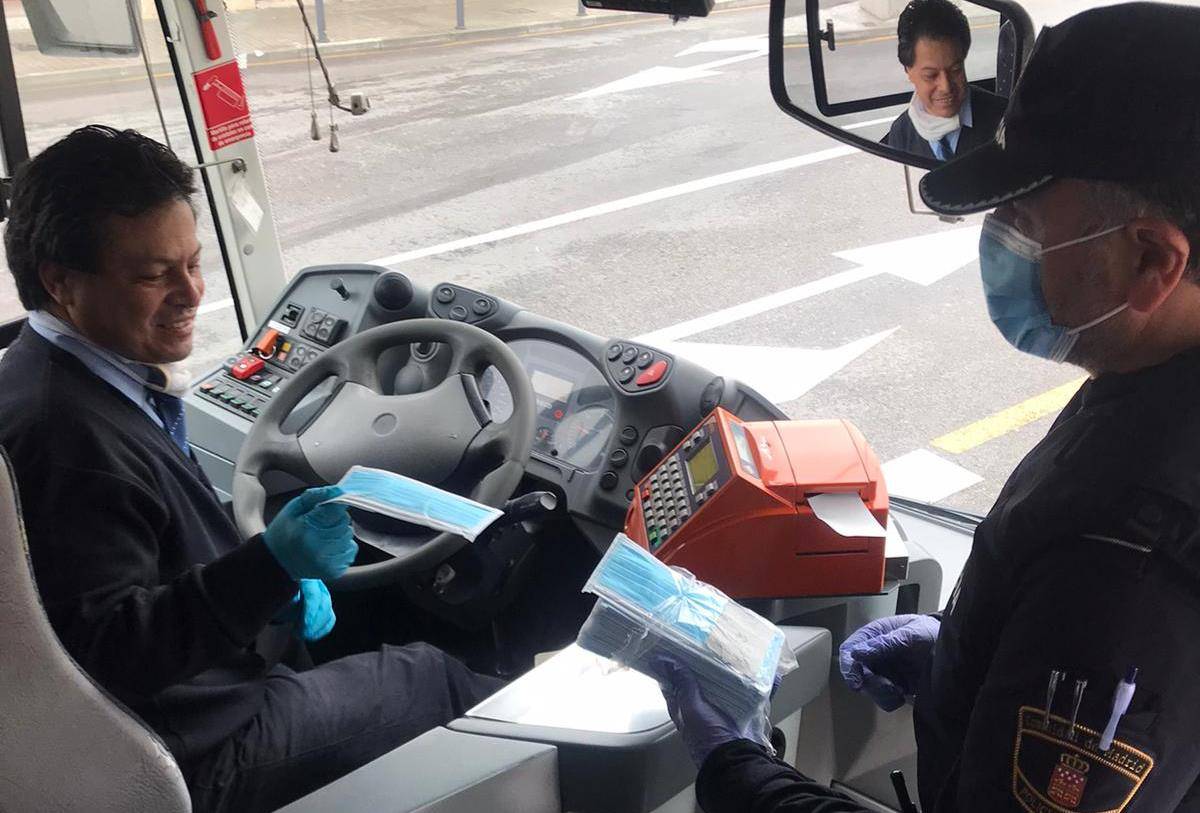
{"type": "Point", "coordinates": [702, 726]}
{"type": "Point", "coordinates": [310, 540]}
{"type": "Point", "coordinates": [885, 658]}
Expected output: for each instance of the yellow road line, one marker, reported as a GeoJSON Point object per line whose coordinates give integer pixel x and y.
{"type": "Point", "coordinates": [1008, 420]}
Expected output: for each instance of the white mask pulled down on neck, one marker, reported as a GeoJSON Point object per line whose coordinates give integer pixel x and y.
{"type": "Point", "coordinates": [929, 126]}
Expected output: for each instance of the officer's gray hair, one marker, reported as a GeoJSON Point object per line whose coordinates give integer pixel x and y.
{"type": "Point", "coordinates": [1176, 201]}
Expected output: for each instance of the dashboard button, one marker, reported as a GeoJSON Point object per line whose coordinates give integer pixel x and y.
{"type": "Point", "coordinates": [629, 355]}
{"type": "Point", "coordinates": [626, 375]}
{"type": "Point", "coordinates": [618, 458]}
{"type": "Point", "coordinates": [614, 351]}
{"type": "Point", "coordinates": [652, 374]}
{"type": "Point", "coordinates": [629, 435]}
{"type": "Point", "coordinates": [445, 294]}
{"type": "Point", "coordinates": [246, 366]}
{"type": "Point", "coordinates": [644, 358]}
{"type": "Point", "coordinates": [609, 480]}
{"type": "Point", "coordinates": [481, 306]}
{"type": "Point", "coordinates": [458, 313]}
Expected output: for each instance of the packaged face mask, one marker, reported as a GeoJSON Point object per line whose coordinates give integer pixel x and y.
{"type": "Point", "coordinates": [646, 608]}
{"type": "Point", "coordinates": [404, 498]}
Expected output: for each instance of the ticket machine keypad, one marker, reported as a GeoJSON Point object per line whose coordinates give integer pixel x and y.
{"type": "Point", "coordinates": [681, 483]}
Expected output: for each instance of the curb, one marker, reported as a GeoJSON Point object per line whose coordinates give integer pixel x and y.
{"type": "Point", "coordinates": [49, 79]}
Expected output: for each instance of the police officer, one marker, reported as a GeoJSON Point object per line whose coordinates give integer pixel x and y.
{"type": "Point", "coordinates": [1063, 674]}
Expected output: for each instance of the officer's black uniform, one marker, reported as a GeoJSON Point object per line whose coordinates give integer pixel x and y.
{"type": "Point", "coordinates": [1088, 563]}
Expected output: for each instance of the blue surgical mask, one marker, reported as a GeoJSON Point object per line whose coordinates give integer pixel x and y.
{"type": "Point", "coordinates": [404, 498]}
{"type": "Point", "coordinates": [1011, 266]}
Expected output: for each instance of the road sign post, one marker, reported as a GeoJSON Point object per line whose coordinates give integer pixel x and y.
{"type": "Point", "coordinates": [461, 14]}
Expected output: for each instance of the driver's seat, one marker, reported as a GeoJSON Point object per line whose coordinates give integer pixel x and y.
{"type": "Point", "coordinates": [65, 744]}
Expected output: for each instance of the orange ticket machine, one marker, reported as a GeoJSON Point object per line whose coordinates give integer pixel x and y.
{"type": "Point", "coordinates": [730, 504]}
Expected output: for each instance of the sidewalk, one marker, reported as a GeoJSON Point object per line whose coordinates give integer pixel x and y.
{"type": "Point", "coordinates": [277, 33]}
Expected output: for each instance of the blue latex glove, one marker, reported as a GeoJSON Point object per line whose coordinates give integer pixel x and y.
{"type": "Point", "coordinates": [310, 540]}
{"type": "Point", "coordinates": [311, 610]}
{"type": "Point", "coordinates": [886, 657]}
{"type": "Point", "coordinates": [703, 726]}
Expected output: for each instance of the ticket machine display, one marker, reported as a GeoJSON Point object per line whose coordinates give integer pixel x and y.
{"type": "Point", "coordinates": [731, 504]}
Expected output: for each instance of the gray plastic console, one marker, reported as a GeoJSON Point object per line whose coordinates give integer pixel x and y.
{"type": "Point", "coordinates": [446, 772]}
{"type": "Point", "coordinates": [617, 748]}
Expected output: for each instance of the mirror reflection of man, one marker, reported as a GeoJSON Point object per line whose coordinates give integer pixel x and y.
{"type": "Point", "coordinates": [143, 575]}
{"type": "Point", "coordinates": [946, 116]}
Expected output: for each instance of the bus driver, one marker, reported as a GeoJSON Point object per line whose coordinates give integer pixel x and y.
{"type": "Point", "coordinates": [142, 574]}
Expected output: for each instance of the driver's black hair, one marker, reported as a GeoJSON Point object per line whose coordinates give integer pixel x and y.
{"type": "Point", "coordinates": [934, 20]}
{"type": "Point", "coordinates": [61, 196]}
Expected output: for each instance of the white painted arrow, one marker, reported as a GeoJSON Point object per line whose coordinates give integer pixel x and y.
{"type": "Point", "coordinates": [730, 44]}
{"type": "Point", "coordinates": [664, 74]}
{"type": "Point", "coordinates": [923, 259]}
{"type": "Point", "coordinates": [781, 374]}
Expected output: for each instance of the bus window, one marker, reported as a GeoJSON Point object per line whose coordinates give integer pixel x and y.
{"type": "Point", "coordinates": [64, 90]}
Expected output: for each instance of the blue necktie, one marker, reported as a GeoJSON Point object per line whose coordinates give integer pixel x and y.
{"type": "Point", "coordinates": [947, 150]}
{"type": "Point", "coordinates": [170, 410]}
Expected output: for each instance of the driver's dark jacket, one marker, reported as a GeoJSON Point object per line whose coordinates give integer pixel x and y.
{"type": "Point", "coordinates": [141, 571]}
{"type": "Point", "coordinates": [1089, 563]}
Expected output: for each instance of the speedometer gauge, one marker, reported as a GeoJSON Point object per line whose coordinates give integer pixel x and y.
{"type": "Point", "coordinates": [581, 437]}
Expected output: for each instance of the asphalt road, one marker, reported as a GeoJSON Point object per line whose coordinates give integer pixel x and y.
{"type": "Point", "coordinates": [472, 138]}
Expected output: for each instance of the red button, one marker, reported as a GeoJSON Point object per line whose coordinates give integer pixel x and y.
{"type": "Point", "coordinates": [652, 374]}
{"type": "Point", "coordinates": [246, 367]}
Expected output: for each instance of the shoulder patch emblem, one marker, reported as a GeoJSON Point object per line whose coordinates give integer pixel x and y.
{"type": "Point", "coordinates": [1054, 772]}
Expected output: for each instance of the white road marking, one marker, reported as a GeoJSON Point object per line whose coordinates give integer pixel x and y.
{"type": "Point", "coordinates": [212, 307]}
{"type": "Point", "coordinates": [757, 42]}
{"type": "Point", "coordinates": [923, 475]}
{"type": "Point", "coordinates": [754, 307]}
{"type": "Point", "coordinates": [665, 193]}
{"type": "Point", "coordinates": [666, 74]}
{"type": "Point", "coordinates": [780, 374]}
{"type": "Point", "coordinates": [861, 124]}
{"type": "Point", "coordinates": [923, 259]}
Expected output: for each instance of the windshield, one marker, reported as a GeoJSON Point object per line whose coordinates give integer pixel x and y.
{"type": "Point", "coordinates": [625, 175]}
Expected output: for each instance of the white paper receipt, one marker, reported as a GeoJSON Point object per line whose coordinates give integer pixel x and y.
{"type": "Point", "coordinates": [846, 514]}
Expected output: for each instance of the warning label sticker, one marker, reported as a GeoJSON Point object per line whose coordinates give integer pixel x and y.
{"type": "Point", "coordinates": [223, 100]}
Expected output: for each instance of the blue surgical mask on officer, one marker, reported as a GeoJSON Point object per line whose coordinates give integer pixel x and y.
{"type": "Point", "coordinates": [1011, 266]}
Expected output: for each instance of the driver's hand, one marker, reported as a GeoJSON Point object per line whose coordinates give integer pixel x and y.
{"type": "Point", "coordinates": [311, 540]}
{"type": "Point", "coordinates": [310, 611]}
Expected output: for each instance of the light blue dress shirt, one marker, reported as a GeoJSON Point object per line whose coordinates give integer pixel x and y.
{"type": "Point", "coordinates": [964, 120]}
{"type": "Point", "coordinates": [125, 376]}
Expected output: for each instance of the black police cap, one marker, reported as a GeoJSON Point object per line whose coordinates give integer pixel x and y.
{"type": "Point", "coordinates": [1110, 94]}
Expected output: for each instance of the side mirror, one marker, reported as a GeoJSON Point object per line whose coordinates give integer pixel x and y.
{"type": "Point", "coordinates": [74, 28]}
{"type": "Point", "coordinates": [835, 66]}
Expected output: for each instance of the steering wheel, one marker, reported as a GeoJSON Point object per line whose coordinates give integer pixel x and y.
{"type": "Point", "coordinates": [431, 436]}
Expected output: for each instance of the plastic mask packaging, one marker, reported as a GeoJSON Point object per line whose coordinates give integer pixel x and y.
{"type": "Point", "coordinates": [646, 607]}
{"type": "Point", "coordinates": [404, 498]}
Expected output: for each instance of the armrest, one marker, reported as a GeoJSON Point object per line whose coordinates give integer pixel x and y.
{"type": "Point", "coordinates": [445, 771]}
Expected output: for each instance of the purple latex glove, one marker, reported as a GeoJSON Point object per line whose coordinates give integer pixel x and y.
{"type": "Point", "coordinates": [886, 657]}
{"type": "Point", "coordinates": [703, 726]}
